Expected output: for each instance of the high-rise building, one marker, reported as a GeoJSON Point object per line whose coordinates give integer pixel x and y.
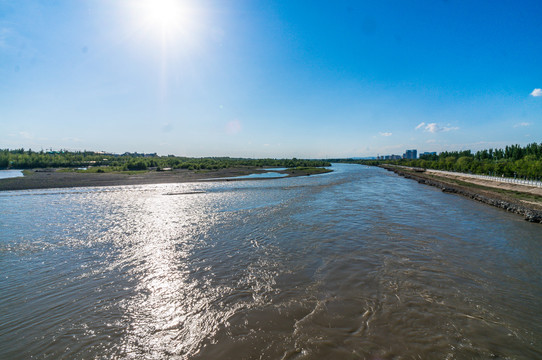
{"type": "Point", "coordinates": [411, 154]}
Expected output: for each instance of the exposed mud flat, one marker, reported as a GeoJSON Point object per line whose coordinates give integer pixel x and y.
{"type": "Point", "coordinates": [50, 178]}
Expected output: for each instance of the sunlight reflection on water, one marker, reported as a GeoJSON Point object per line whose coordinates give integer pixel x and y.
{"type": "Point", "coordinates": [168, 308]}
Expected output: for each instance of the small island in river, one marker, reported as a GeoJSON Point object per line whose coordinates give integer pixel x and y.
{"type": "Point", "coordinates": [63, 169]}
{"type": "Point", "coordinates": [64, 178]}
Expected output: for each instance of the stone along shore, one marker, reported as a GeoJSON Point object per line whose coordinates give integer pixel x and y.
{"type": "Point", "coordinates": [504, 199]}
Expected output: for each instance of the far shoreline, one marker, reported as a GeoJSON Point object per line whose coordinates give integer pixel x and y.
{"type": "Point", "coordinates": [52, 178]}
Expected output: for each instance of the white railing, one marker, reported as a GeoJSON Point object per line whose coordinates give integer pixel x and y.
{"type": "Point", "coordinates": [518, 181]}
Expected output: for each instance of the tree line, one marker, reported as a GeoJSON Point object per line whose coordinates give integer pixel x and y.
{"type": "Point", "coordinates": [28, 159]}
{"type": "Point", "coordinates": [512, 161]}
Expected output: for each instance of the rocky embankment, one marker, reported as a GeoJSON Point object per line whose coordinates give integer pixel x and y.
{"type": "Point", "coordinates": [530, 213]}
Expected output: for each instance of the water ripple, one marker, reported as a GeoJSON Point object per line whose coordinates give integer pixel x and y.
{"type": "Point", "coordinates": [356, 264]}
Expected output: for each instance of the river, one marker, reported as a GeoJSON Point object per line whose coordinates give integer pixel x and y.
{"type": "Point", "coordinates": [6, 174]}
{"type": "Point", "coordinates": [355, 264]}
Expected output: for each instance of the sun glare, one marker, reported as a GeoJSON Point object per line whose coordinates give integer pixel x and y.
{"type": "Point", "coordinates": [165, 13]}
{"type": "Point", "coordinates": [168, 17]}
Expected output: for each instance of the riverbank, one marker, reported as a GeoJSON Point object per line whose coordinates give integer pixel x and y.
{"type": "Point", "coordinates": [521, 200]}
{"type": "Point", "coordinates": [54, 178]}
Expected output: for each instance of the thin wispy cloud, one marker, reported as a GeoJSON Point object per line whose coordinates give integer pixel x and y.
{"type": "Point", "coordinates": [385, 134]}
{"type": "Point", "coordinates": [450, 128]}
{"type": "Point", "coordinates": [435, 128]}
{"type": "Point", "coordinates": [26, 135]}
{"type": "Point", "coordinates": [523, 124]}
{"type": "Point", "coordinates": [4, 34]}
{"type": "Point", "coordinates": [233, 127]}
{"type": "Point", "coordinates": [536, 92]}
{"type": "Point", "coordinates": [72, 139]}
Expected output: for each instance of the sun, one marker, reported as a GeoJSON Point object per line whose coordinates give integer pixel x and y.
{"type": "Point", "coordinates": [165, 17]}
{"type": "Point", "coordinates": [164, 13]}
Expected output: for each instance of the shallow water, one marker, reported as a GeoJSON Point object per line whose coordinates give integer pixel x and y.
{"type": "Point", "coordinates": [358, 263]}
{"type": "Point", "coordinates": [6, 174]}
{"type": "Point", "coordinates": [264, 175]}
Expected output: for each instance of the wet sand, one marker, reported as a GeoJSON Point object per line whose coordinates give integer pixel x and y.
{"type": "Point", "coordinates": [49, 178]}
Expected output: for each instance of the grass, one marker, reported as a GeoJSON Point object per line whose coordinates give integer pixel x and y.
{"type": "Point", "coordinates": [203, 171]}
{"type": "Point", "coordinates": [311, 170]}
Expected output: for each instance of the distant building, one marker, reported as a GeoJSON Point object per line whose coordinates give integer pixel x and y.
{"type": "Point", "coordinates": [434, 153]}
{"type": "Point", "coordinates": [389, 157]}
{"type": "Point", "coordinates": [136, 154]}
{"type": "Point", "coordinates": [410, 154]}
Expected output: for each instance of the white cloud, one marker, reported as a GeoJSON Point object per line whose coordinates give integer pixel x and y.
{"type": "Point", "coordinates": [523, 124]}
{"type": "Point", "coordinates": [536, 92]}
{"type": "Point", "coordinates": [385, 134]}
{"type": "Point", "coordinates": [432, 128]}
{"type": "Point", "coordinates": [435, 128]}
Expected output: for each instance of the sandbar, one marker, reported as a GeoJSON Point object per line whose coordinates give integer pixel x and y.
{"type": "Point", "coordinates": [52, 178]}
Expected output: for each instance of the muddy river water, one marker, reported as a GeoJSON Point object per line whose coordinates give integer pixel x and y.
{"type": "Point", "coordinates": [354, 264]}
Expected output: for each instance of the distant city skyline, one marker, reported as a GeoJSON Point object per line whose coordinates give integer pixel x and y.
{"type": "Point", "coordinates": [269, 79]}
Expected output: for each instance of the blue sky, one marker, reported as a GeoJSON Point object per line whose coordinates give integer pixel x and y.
{"type": "Point", "coordinates": [305, 79]}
